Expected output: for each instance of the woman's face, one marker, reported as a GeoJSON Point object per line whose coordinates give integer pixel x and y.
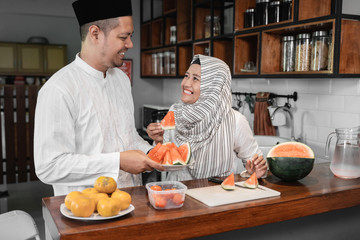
{"type": "Point", "coordinates": [190, 85]}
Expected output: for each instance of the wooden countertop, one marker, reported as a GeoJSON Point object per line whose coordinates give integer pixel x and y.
{"type": "Point", "coordinates": [319, 192]}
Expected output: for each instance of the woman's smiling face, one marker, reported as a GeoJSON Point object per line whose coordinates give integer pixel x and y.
{"type": "Point", "coordinates": [190, 85]}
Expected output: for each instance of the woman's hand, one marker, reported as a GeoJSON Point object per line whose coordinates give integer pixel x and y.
{"type": "Point", "coordinates": [135, 161]}
{"type": "Point", "coordinates": [256, 164]}
{"type": "Point", "coordinates": [155, 132]}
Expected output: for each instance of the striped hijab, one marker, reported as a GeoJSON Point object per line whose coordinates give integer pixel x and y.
{"type": "Point", "coordinates": [208, 123]}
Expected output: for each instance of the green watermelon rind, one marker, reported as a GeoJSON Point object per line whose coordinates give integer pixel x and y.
{"type": "Point", "coordinates": [178, 162]}
{"type": "Point", "coordinates": [251, 186]}
{"type": "Point", "coordinates": [290, 168]}
{"type": "Point", "coordinates": [228, 187]}
{"type": "Point", "coordinates": [168, 127]}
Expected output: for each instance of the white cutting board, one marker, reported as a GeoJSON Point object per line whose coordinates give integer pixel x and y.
{"type": "Point", "coordinates": [216, 195]}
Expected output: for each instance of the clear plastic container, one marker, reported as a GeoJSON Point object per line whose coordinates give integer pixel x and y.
{"type": "Point", "coordinates": [171, 194]}
{"type": "Point", "coordinates": [288, 54]}
{"type": "Point", "coordinates": [319, 51]}
{"type": "Point", "coordinates": [303, 52]}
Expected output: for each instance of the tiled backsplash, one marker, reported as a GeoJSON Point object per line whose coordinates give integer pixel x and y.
{"type": "Point", "coordinates": [322, 105]}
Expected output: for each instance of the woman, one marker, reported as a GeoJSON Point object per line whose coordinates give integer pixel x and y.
{"type": "Point", "coordinates": [204, 117]}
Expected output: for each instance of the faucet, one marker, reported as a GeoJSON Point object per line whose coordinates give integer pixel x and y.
{"type": "Point", "coordinates": [286, 108]}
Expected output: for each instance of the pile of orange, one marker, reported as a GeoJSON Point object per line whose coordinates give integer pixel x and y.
{"type": "Point", "coordinates": [104, 198]}
{"type": "Point", "coordinates": [162, 200]}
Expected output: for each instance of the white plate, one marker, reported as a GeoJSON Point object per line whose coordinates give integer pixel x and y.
{"type": "Point", "coordinates": [171, 168]}
{"type": "Point", "coordinates": [95, 216]}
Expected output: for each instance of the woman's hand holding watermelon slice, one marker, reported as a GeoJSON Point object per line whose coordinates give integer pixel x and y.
{"type": "Point", "coordinates": [135, 161]}
{"type": "Point", "coordinates": [257, 164]}
{"type": "Point", "coordinates": [155, 132]}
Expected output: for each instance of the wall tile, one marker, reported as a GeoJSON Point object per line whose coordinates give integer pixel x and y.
{"type": "Point", "coordinates": [352, 104]}
{"type": "Point", "coordinates": [344, 120]}
{"type": "Point", "coordinates": [307, 101]}
{"type": "Point", "coordinates": [331, 103]}
{"type": "Point", "coordinates": [344, 86]}
{"type": "Point", "coordinates": [319, 85]}
{"type": "Point", "coordinates": [298, 85]}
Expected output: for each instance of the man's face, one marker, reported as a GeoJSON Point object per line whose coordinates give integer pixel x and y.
{"type": "Point", "coordinates": [116, 43]}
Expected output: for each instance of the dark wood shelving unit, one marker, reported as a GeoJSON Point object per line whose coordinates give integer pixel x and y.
{"type": "Point", "coordinates": [260, 44]}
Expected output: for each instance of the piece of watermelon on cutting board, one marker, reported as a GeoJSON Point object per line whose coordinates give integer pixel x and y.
{"type": "Point", "coordinates": [216, 195]}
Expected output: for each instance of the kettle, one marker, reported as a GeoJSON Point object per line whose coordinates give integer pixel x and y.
{"type": "Point", "coordinates": [345, 161]}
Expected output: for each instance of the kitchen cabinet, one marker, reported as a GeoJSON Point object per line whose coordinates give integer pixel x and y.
{"type": "Point", "coordinates": [260, 44]}
{"type": "Point", "coordinates": [31, 59]}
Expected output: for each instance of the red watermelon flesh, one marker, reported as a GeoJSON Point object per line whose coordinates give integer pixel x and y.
{"type": "Point", "coordinates": [229, 182]}
{"type": "Point", "coordinates": [168, 122]}
{"type": "Point", "coordinates": [161, 152]}
{"type": "Point", "coordinates": [252, 181]}
{"type": "Point", "coordinates": [167, 159]}
{"type": "Point", "coordinates": [153, 151]}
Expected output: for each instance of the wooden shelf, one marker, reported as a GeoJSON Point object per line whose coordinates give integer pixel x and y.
{"type": "Point", "coordinates": [271, 45]}
{"type": "Point", "coordinates": [246, 49]}
{"type": "Point", "coordinates": [259, 44]}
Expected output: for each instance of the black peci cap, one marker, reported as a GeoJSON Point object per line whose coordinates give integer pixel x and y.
{"type": "Point", "coordinates": [92, 10]}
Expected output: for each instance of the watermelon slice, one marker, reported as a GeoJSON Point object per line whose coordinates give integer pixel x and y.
{"type": "Point", "coordinates": [185, 152]}
{"type": "Point", "coordinates": [161, 153]}
{"type": "Point", "coordinates": [176, 157]}
{"type": "Point", "coordinates": [168, 122]}
{"type": "Point", "coordinates": [252, 181]}
{"type": "Point", "coordinates": [167, 159]}
{"type": "Point", "coordinates": [229, 182]}
{"type": "Point", "coordinates": [153, 151]}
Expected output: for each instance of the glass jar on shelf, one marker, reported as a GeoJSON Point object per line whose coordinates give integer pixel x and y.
{"type": "Point", "coordinates": [217, 26]}
{"type": "Point", "coordinates": [167, 62]}
{"type": "Point", "coordinates": [303, 52]}
{"type": "Point", "coordinates": [154, 63]}
{"type": "Point", "coordinates": [172, 63]}
{"type": "Point", "coordinates": [249, 18]}
{"type": "Point", "coordinates": [262, 12]}
{"type": "Point", "coordinates": [274, 12]}
{"type": "Point", "coordinates": [160, 65]}
{"type": "Point", "coordinates": [286, 10]}
{"type": "Point", "coordinates": [319, 51]}
{"type": "Point", "coordinates": [331, 51]}
{"type": "Point", "coordinates": [288, 54]}
{"type": "Point", "coordinates": [173, 35]}
{"type": "Point", "coordinates": [207, 29]}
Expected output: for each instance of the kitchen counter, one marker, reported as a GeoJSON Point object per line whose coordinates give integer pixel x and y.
{"type": "Point", "coordinates": [319, 192]}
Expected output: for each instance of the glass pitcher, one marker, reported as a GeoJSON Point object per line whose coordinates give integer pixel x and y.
{"type": "Point", "coordinates": [345, 161]}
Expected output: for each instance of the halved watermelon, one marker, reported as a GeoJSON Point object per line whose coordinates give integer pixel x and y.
{"type": "Point", "coordinates": [229, 182]}
{"type": "Point", "coordinates": [291, 161]}
{"type": "Point", "coordinates": [252, 181]}
{"type": "Point", "coordinates": [168, 122]}
{"type": "Point", "coordinates": [185, 152]}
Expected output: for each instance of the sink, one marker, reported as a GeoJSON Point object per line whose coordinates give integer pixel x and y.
{"type": "Point", "coordinates": [267, 142]}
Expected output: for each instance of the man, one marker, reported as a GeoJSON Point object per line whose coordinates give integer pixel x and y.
{"type": "Point", "coordinates": [84, 120]}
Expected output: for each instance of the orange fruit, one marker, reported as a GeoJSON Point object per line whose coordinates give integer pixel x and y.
{"type": "Point", "coordinates": [70, 197]}
{"type": "Point", "coordinates": [178, 199]}
{"type": "Point", "coordinates": [89, 191]}
{"type": "Point", "coordinates": [108, 207]}
{"type": "Point", "coordinates": [156, 188]}
{"type": "Point", "coordinates": [123, 197]}
{"type": "Point", "coordinates": [105, 184]}
{"type": "Point", "coordinates": [160, 201]}
{"type": "Point", "coordinates": [97, 196]}
{"type": "Point", "coordinates": [83, 206]}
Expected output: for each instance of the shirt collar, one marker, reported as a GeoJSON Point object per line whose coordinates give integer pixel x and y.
{"type": "Point", "coordinates": [88, 69]}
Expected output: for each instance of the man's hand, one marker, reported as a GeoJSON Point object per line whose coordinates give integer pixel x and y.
{"type": "Point", "coordinates": [256, 164]}
{"type": "Point", "coordinates": [135, 161]}
{"type": "Point", "coordinates": [155, 132]}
